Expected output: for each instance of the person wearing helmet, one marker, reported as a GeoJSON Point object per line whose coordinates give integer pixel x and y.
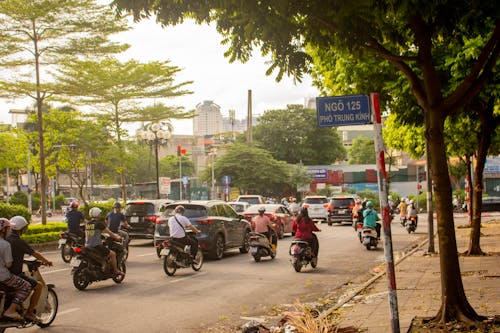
{"type": "Point", "coordinates": [75, 220]}
{"type": "Point", "coordinates": [403, 210]}
{"type": "Point", "coordinates": [19, 249]}
{"type": "Point", "coordinates": [115, 219]}
{"type": "Point", "coordinates": [294, 207]}
{"type": "Point", "coordinates": [93, 230]}
{"type": "Point", "coordinates": [177, 223]}
{"type": "Point", "coordinates": [356, 210]}
{"type": "Point", "coordinates": [370, 218]}
{"type": "Point", "coordinates": [21, 287]}
{"type": "Point", "coordinates": [263, 225]}
{"type": "Point", "coordinates": [412, 211]}
{"type": "Point", "coordinates": [304, 227]}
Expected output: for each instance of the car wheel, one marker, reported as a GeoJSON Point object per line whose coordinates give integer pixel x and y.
{"type": "Point", "coordinates": [281, 233]}
{"type": "Point", "coordinates": [218, 251]}
{"type": "Point", "coordinates": [246, 243]}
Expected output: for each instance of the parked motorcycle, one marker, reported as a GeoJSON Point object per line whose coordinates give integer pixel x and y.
{"type": "Point", "coordinates": [176, 255]}
{"type": "Point", "coordinates": [261, 247]}
{"type": "Point", "coordinates": [411, 224]}
{"type": "Point", "coordinates": [67, 242]}
{"type": "Point", "coordinates": [369, 237]}
{"type": "Point", "coordinates": [88, 264]}
{"type": "Point", "coordinates": [45, 310]}
{"type": "Point", "coordinates": [301, 255]}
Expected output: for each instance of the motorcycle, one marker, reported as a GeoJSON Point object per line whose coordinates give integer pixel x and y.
{"type": "Point", "coordinates": [45, 310]}
{"type": "Point", "coordinates": [403, 220]}
{"type": "Point", "coordinates": [88, 266]}
{"type": "Point", "coordinates": [411, 224]}
{"type": "Point", "coordinates": [369, 237]}
{"type": "Point", "coordinates": [67, 242]}
{"type": "Point", "coordinates": [301, 254]}
{"type": "Point", "coordinates": [125, 241]}
{"type": "Point", "coordinates": [359, 230]}
{"type": "Point", "coordinates": [176, 255]}
{"type": "Point", "coordinates": [261, 247]}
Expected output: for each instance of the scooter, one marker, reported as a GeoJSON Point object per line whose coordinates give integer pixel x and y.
{"type": "Point", "coordinates": [67, 242]}
{"type": "Point", "coordinates": [301, 254]}
{"type": "Point", "coordinates": [359, 230]}
{"type": "Point", "coordinates": [45, 310]}
{"type": "Point", "coordinates": [403, 220]}
{"type": "Point", "coordinates": [260, 246]}
{"type": "Point", "coordinates": [369, 237]}
{"type": "Point", "coordinates": [176, 255]}
{"type": "Point", "coordinates": [411, 224]}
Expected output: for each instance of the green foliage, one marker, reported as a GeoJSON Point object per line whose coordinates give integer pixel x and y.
{"type": "Point", "coordinates": [8, 211]}
{"type": "Point", "coordinates": [169, 166]}
{"type": "Point", "coordinates": [19, 198]}
{"type": "Point", "coordinates": [362, 151]}
{"type": "Point", "coordinates": [292, 135]}
{"type": "Point", "coordinates": [36, 229]}
{"type": "Point", "coordinates": [42, 237]}
{"type": "Point", "coordinates": [370, 196]}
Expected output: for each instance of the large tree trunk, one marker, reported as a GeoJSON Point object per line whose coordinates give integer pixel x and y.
{"type": "Point", "coordinates": [454, 304]}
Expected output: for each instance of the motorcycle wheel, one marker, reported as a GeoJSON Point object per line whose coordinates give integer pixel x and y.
{"type": "Point", "coordinates": [169, 265]}
{"type": "Point", "coordinates": [409, 230]}
{"type": "Point", "coordinates": [80, 280]}
{"type": "Point", "coordinates": [314, 262]}
{"type": "Point", "coordinates": [273, 253]}
{"type": "Point", "coordinates": [368, 247]}
{"type": "Point", "coordinates": [67, 252]}
{"type": "Point", "coordinates": [297, 265]}
{"type": "Point", "coordinates": [47, 316]}
{"type": "Point", "coordinates": [256, 257]}
{"type": "Point", "coordinates": [199, 260]}
{"type": "Point", "coordinates": [120, 278]}
{"type": "Point", "coordinates": [360, 238]}
{"type": "Point", "coordinates": [158, 250]}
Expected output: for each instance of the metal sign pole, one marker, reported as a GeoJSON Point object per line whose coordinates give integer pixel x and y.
{"type": "Point", "coordinates": [384, 208]}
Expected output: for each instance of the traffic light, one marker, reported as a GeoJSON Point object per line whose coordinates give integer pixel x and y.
{"type": "Point", "coordinates": [179, 150]}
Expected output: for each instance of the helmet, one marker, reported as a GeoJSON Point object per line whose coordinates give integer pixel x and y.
{"type": "Point", "coordinates": [4, 223]}
{"type": "Point", "coordinates": [262, 209]}
{"type": "Point", "coordinates": [117, 205]}
{"type": "Point", "coordinates": [369, 204]}
{"type": "Point", "coordinates": [74, 204]}
{"type": "Point", "coordinates": [180, 209]}
{"type": "Point", "coordinates": [18, 222]}
{"type": "Point", "coordinates": [411, 201]}
{"type": "Point", "coordinates": [95, 212]}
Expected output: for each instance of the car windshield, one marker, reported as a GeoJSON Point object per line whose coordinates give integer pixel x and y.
{"type": "Point", "coordinates": [250, 200]}
{"type": "Point", "coordinates": [255, 209]}
{"type": "Point", "coordinates": [139, 208]}
{"type": "Point", "coordinates": [316, 201]}
{"type": "Point", "coordinates": [192, 211]}
{"type": "Point", "coordinates": [342, 202]}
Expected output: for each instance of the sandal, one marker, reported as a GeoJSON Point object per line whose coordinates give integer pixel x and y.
{"type": "Point", "coordinates": [13, 316]}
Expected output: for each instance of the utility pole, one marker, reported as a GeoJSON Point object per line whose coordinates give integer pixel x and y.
{"type": "Point", "coordinates": [249, 118]}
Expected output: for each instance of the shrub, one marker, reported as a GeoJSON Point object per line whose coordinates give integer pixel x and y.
{"type": "Point", "coordinates": [45, 228]}
{"type": "Point", "coordinates": [19, 198]}
{"type": "Point", "coordinates": [8, 211]}
{"type": "Point", "coordinates": [42, 237]}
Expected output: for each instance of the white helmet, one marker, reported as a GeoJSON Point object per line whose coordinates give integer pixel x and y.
{"type": "Point", "coordinates": [95, 212]}
{"type": "Point", "coordinates": [18, 222]}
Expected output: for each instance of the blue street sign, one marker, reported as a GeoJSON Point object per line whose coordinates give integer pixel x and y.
{"type": "Point", "coordinates": [317, 173]}
{"type": "Point", "coordinates": [343, 110]}
{"type": "Point", "coordinates": [226, 180]}
{"type": "Point", "coordinates": [185, 180]}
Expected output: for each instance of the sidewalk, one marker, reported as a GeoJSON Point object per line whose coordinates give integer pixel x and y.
{"type": "Point", "coordinates": [419, 286]}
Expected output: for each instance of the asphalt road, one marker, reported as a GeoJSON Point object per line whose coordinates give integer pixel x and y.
{"type": "Point", "coordinates": [150, 301]}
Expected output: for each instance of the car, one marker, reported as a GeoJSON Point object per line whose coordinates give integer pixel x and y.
{"type": "Point", "coordinates": [142, 216]}
{"type": "Point", "coordinates": [316, 206]}
{"type": "Point", "coordinates": [251, 199]}
{"type": "Point", "coordinates": [239, 207]}
{"type": "Point", "coordinates": [340, 209]}
{"type": "Point", "coordinates": [278, 214]}
{"type": "Point", "coordinates": [221, 227]}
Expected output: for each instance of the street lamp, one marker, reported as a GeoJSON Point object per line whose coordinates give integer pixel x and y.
{"type": "Point", "coordinates": [213, 153]}
{"type": "Point", "coordinates": [155, 135]}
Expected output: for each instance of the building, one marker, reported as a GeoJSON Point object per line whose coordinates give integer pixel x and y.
{"type": "Point", "coordinates": [207, 119]}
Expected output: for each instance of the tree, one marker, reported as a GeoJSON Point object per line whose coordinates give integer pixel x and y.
{"type": "Point", "coordinates": [35, 38]}
{"type": "Point", "coordinates": [169, 166]}
{"type": "Point", "coordinates": [292, 136]}
{"type": "Point", "coordinates": [115, 90]}
{"type": "Point", "coordinates": [413, 36]}
{"type": "Point", "coordinates": [362, 151]}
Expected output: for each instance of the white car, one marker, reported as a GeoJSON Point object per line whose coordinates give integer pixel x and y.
{"type": "Point", "coordinates": [252, 199]}
{"type": "Point", "coordinates": [239, 207]}
{"type": "Point", "coordinates": [317, 207]}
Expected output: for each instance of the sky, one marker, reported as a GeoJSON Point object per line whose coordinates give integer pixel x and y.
{"type": "Point", "coordinates": [197, 51]}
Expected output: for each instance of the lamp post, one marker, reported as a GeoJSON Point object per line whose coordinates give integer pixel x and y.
{"type": "Point", "coordinates": [155, 135]}
{"type": "Point", "coordinates": [213, 153]}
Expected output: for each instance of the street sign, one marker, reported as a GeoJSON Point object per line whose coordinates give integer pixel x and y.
{"type": "Point", "coordinates": [343, 110]}
{"type": "Point", "coordinates": [164, 185]}
{"type": "Point", "coordinates": [226, 180]}
{"type": "Point", "coordinates": [317, 173]}
{"type": "Point", "coordinates": [185, 180]}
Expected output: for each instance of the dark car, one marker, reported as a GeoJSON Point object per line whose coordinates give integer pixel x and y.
{"type": "Point", "coordinates": [277, 213]}
{"type": "Point", "coordinates": [221, 227]}
{"type": "Point", "coordinates": [142, 215]}
{"type": "Point", "coordinates": [340, 210]}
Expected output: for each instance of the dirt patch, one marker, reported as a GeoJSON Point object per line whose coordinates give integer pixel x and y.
{"type": "Point", "coordinates": [426, 325]}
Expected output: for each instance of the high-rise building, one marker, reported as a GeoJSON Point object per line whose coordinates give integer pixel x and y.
{"type": "Point", "coordinates": [207, 119]}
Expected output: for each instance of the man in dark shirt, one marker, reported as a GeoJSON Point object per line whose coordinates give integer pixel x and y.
{"type": "Point", "coordinates": [19, 249]}
{"type": "Point", "coordinates": [75, 218]}
{"type": "Point", "coordinates": [115, 219]}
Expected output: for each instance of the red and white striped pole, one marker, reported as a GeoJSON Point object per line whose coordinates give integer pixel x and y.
{"type": "Point", "coordinates": [384, 209]}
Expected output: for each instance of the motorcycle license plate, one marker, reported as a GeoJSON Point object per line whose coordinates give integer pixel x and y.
{"type": "Point", "coordinates": [75, 262]}
{"type": "Point", "coordinates": [165, 252]}
{"type": "Point", "coordinates": [134, 219]}
{"type": "Point", "coordinates": [62, 241]}
{"type": "Point", "coordinates": [254, 250]}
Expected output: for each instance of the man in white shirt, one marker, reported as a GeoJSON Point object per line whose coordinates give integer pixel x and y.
{"type": "Point", "coordinates": [177, 224]}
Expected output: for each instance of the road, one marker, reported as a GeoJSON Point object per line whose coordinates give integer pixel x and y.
{"type": "Point", "coordinates": [150, 301]}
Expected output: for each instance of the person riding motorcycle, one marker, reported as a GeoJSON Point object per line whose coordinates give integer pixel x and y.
{"type": "Point", "coordinates": [74, 219]}
{"type": "Point", "coordinates": [115, 219]}
{"type": "Point", "coordinates": [93, 230]}
{"type": "Point", "coordinates": [22, 288]}
{"type": "Point", "coordinates": [303, 226]}
{"type": "Point", "coordinates": [412, 212]}
{"type": "Point", "coordinates": [403, 207]}
{"type": "Point", "coordinates": [294, 207]}
{"type": "Point", "coordinates": [263, 225]}
{"type": "Point", "coordinates": [176, 225]}
{"type": "Point", "coordinates": [19, 249]}
{"type": "Point", "coordinates": [370, 218]}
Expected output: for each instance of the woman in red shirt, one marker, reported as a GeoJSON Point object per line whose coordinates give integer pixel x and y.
{"type": "Point", "coordinates": [303, 227]}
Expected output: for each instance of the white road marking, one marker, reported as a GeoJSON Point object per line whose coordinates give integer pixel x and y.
{"type": "Point", "coordinates": [187, 277]}
{"type": "Point", "coordinates": [55, 271]}
{"type": "Point", "coordinates": [67, 311]}
{"type": "Point", "coordinates": [145, 255]}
